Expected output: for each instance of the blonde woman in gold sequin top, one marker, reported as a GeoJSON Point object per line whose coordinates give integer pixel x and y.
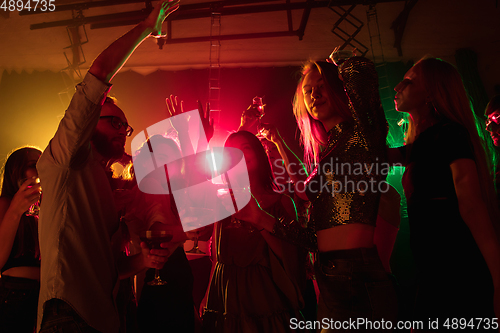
{"type": "Point", "coordinates": [343, 130]}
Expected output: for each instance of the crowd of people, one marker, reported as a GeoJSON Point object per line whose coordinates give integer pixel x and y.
{"type": "Point", "coordinates": [315, 253]}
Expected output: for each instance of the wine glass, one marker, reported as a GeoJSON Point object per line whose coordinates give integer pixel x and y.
{"type": "Point", "coordinates": [200, 218]}
{"type": "Point", "coordinates": [34, 209]}
{"type": "Point", "coordinates": [259, 106]}
{"type": "Point", "coordinates": [196, 249]}
{"type": "Point", "coordinates": [154, 238]}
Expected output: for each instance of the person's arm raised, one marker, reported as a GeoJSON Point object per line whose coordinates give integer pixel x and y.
{"type": "Point", "coordinates": [294, 166]}
{"type": "Point", "coordinates": [180, 123]}
{"type": "Point", "coordinates": [109, 62]}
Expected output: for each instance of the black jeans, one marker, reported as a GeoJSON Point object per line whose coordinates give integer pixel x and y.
{"type": "Point", "coordinates": [354, 287]}
{"type": "Point", "coordinates": [18, 304]}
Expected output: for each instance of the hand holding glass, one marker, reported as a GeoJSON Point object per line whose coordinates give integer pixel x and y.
{"type": "Point", "coordinates": [196, 249]}
{"type": "Point", "coordinates": [34, 209]}
{"type": "Point", "coordinates": [200, 217]}
{"type": "Point", "coordinates": [154, 238]}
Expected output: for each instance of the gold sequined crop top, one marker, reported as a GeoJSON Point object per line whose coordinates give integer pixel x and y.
{"type": "Point", "coordinates": [346, 185]}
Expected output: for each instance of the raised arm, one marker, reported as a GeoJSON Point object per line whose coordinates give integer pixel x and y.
{"type": "Point", "coordinates": [294, 166]}
{"type": "Point", "coordinates": [361, 85]}
{"type": "Point", "coordinates": [180, 124]}
{"type": "Point", "coordinates": [109, 62]}
{"type": "Point", "coordinates": [250, 118]}
{"type": "Point", "coordinates": [71, 143]}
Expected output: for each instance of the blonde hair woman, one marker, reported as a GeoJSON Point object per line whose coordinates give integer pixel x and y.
{"type": "Point", "coordinates": [343, 131]}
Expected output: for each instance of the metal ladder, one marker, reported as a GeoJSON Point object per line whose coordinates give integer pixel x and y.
{"type": "Point", "coordinates": [214, 69]}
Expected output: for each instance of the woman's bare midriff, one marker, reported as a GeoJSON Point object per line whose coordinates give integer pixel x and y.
{"type": "Point", "coordinates": [345, 237]}
{"type": "Point", "coordinates": [24, 272]}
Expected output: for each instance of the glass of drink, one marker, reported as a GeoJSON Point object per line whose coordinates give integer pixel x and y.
{"type": "Point", "coordinates": [259, 105]}
{"type": "Point", "coordinates": [201, 217]}
{"type": "Point", "coordinates": [154, 238]}
{"type": "Point", "coordinates": [196, 249]}
{"type": "Point", "coordinates": [34, 209]}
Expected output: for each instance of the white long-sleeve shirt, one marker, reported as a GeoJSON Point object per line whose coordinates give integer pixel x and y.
{"type": "Point", "coordinates": [78, 216]}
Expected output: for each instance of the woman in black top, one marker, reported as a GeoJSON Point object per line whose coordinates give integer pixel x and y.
{"type": "Point", "coordinates": [19, 251]}
{"type": "Point", "coordinates": [451, 202]}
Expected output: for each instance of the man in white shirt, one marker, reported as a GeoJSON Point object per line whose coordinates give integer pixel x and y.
{"type": "Point", "coordinates": [80, 268]}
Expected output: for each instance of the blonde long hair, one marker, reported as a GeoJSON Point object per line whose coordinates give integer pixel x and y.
{"type": "Point", "coordinates": [313, 136]}
{"type": "Point", "coordinates": [445, 88]}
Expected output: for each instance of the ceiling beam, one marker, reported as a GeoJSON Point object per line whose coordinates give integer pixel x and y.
{"type": "Point", "coordinates": [169, 40]}
{"type": "Point", "coordinates": [199, 10]}
{"type": "Point", "coordinates": [195, 6]}
{"type": "Point", "coordinates": [399, 25]}
{"type": "Point", "coordinates": [183, 13]}
{"type": "Point", "coordinates": [138, 14]}
{"type": "Point", "coordinates": [231, 37]}
{"type": "Point", "coordinates": [84, 6]}
{"type": "Point", "coordinates": [305, 18]}
{"type": "Point", "coordinates": [96, 4]}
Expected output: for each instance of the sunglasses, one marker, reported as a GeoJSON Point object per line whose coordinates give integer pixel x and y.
{"type": "Point", "coordinates": [117, 123]}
